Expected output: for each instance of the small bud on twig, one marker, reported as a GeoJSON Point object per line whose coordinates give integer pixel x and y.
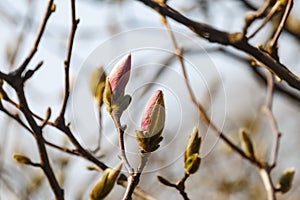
{"type": "Point", "coordinates": [286, 179]}
{"type": "Point", "coordinates": [22, 159]}
{"type": "Point", "coordinates": [115, 84]}
{"type": "Point", "coordinates": [191, 156]}
{"type": "Point", "coordinates": [53, 7]}
{"type": "Point", "coordinates": [97, 83]}
{"type": "Point", "coordinates": [106, 183]}
{"type": "Point", "coordinates": [248, 145]}
{"type": "Point", "coordinates": [152, 123]}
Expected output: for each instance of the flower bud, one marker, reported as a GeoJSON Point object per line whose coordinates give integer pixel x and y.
{"type": "Point", "coordinates": [286, 179]}
{"type": "Point", "coordinates": [119, 76]}
{"type": "Point", "coordinates": [192, 159]}
{"type": "Point", "coordinates": [97, 83]}
{"type": "Point", "coordinates": [106, 183]}
{"type": "Point", "coordinates": [248, 145]}
{"type": "Point", "coordinates": [22, 159]}
{"type": "Point", "coordinates": [153, 122]}
{"type": "Point", "coordinates": [115, 86]}
{"type": "Point", "coordinates": [193, 145]}
{"type": "Point", "coordinates": [192, 163]}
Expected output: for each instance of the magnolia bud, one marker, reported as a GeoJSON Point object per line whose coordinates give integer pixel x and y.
{"type": "Point", "coordinates": [153, 122]}
{"type": "Point", "coordinates": [119, 76]}
{"type": "Point", "coordinates": [286, 179]}
{"type": "Point", "coordinates": [193, 145]}
{"type": "Point", "coordinates": [247, 143]}
{"type": "Point", "coordinates": [106, 183]}
{"type": "Point", "coordinates": [115, 86]}
{"type": "Point", "coordinates": [192, 163]}
{"type": "Point", "coordinates": [191, 154]}
{"type": "Point", "coordinates": [22, 159]}
{"type": "Point", "coordinates": [97, 83]}
{"type": "Point", "coordinates": [53, 7]}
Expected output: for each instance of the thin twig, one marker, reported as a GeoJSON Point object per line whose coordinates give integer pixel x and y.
{"type": "Point", "coordinates": [120, 130]}
{"type": "Point", "coordinates": [268, 112]}
{"type": "Point", "coordinates": [16, 80]}
{"type": "Point", "coordinates": [291, 25]}
{"type": "Point", "coordinates": [39, 35]}
{"type": "Point", "coordinates": [98, 147]}
{"type": "Point", "coordinates": [200, 108]}
{"type": "Point", "coordinates": [68, 60]}
{"type": "Point", "coordinates": [134, 178]}
{"type": "Point", "coordinates": [20, 38]}
{"type": "Point", "coordinates": [267, 18]}
{"type": "Point", "coordinates": [180, 186]}
{"type": "Point", "coordinates": [283, 20]}
{"type": "Point", "coordinates": [63, 149]}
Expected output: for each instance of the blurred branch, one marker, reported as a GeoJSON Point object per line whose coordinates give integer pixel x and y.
{"type": "Point", "coordinates": [199, 107]}
{"type": "Point", "coordinates": [16, 80]}
{"type": "Point", "coordinates": [268, 112]}
{"type": "Point", "coordinates": [274, 41]}
{"type": "Point", "coordinates": [20, 38]}
{"type": "Point", "coordinates": [248, 4]}
{"type": "Point", "coordinates": [40, 32]}
{"type": "Point", "coordinates": [277, 87]}
{"type": "Point", "coordinates": [292, 26]}
{"type": "Point", "coordinates": [236, 40]}
{"type": "Point", "coordinates": [179, 186]}
{"type": "Point", "coordinates": [266, 178]}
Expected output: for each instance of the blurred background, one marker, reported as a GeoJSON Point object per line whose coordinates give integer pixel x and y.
{"type": "Point", "coordinates": [221, 78]}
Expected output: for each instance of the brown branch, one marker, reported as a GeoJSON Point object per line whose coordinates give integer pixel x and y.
{"type": "Point", "coordinates": [134, 178]}
{"type": "Point", "coordinates": [18, 120]}
{"type": "Point", "coordinates": [63, 149]}
{"type": "Point", "coordinates": [292, 25]}
{"type": "Point", "coordinates": [236, 40]}
{"type": "Point", "coordinates": [16, 80]}
{"type": "Point", "coordinates": [274, 127]}
{"type": "Point", "coordinates": [40, 32]}
{"type": "Point", "coordinates": [200, 108]}
{"type": "Point", "coordinates": [179, 186]}
{"type": "Point", "coordinates": [20, 37]}
{"type": "Point", "coordinates": [17, 83]}
{"type": "Point", "coordinates": [283, 21]}
{"type": "Point", "coordinates": [122, 180]}
{"type": "Point", "coordinates": [68, 60]}
{"type": "Point", "coordinates": [266, 20]}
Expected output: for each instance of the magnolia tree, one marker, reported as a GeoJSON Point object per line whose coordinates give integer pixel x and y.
{"type": "Point", "coordinates": [153, 113]}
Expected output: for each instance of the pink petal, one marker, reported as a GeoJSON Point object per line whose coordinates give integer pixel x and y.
{"type": "Point", "coordinates": [154, 100]}
{"type": "Point", "coordinates": [120, 74]}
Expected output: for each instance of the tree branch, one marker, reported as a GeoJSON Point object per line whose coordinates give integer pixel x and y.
{"type": "Point", "coordinates": [236, 40]}
{"type": "Point", "coordinates": [48, 12]}
{"type": "Point", "coordinates": [68, 60]}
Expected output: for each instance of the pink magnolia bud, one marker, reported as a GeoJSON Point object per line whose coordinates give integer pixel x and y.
{"type": "Point", "coordinates": [119, 76]}
{"type": "Point", "coordinates": [153, 122]}
{"type": "Point", "coordinates": [154, 114]}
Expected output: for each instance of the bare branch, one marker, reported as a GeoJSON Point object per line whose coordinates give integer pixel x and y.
{"type": "Point", "coordinates": [200, 108]}
{"type": "Point", "coordinates": [68, 60]}
{"type": "Point", "coordinates": [236, 40]}
{"type": "Point", "coordinates": [48, 12]}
